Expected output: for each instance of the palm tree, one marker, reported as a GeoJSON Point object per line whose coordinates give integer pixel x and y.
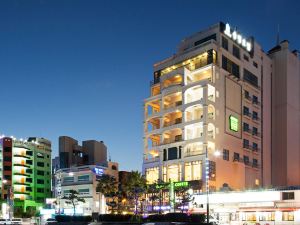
{"type": "Point", "coordinates": [135, 187]}
{"type": "Point", "coordinates": [73, 199]}
{"type": "Point", "coordinates": [106, 186]}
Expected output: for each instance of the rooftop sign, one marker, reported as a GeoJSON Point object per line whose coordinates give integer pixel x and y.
{"type": "Point", "coordinates": [98, 171]}
{"type": "Point", "coordinates": [246, 43]}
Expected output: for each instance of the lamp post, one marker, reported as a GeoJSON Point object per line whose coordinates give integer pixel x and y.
{"type": "Point", "coordinates": [207, 184]}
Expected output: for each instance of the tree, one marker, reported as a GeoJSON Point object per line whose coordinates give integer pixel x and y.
{"type": "Point", "coordinates": [184, 197]}
{"type": "Point", "coordinates": [73, 199]}
{"type": "Point", "coordinates": [155, 193]}
{"type": "Point", "coordinates": [107, 186]}
{"type": "Point", "coordinates": [135, 188]}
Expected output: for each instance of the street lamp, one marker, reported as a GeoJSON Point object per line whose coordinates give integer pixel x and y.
{"type": "Point", "coordinates": [217, 154]}
{"type": "Point", "coordinates": [207, 184]}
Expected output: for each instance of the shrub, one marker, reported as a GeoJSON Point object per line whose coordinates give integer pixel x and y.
{"type": "Point", "coordinates": [155, 218]}
{"type": "Point", "coordinates": [197, 218]}
{"type": "Point", "coordinates": [114, 218]}
{"type": "Point", "coordinates": [177, 217]}
{"type": "Point", "coordinates": [65, 218]}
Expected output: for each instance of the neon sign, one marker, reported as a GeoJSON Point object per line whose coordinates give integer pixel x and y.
{"type": "Point", "coordinates": [238, 38]}
{"type": "Point", "coordinates": [98, 171]}
{"type": "Point", "coordinates": [233, 123]}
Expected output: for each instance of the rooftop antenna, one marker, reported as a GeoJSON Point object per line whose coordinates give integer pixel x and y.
{"type": "Point", "coordinates": [277, 38]}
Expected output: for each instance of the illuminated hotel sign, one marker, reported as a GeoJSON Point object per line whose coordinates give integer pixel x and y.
{"type": "Point", "coordinates": [246, 43]}
{"type": "Point", "coordinates": [176, 184]}
{"type": "Point", "coordinates": [233, 123]}
{"type": "Point", "coordinates": [98, 171]}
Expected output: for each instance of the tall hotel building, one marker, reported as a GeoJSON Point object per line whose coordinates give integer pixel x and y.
{"type": "Point", "coordinates": [25, 174]}
{"type": "Point", "coordinates": [213, 99]}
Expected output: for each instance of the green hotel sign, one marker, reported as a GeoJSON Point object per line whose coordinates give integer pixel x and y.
{"type": "Point", "coordinates": [181, 184]}
{"type": "Point", "coordinates": [176, 185]}
{"type": "Point", "coordinates": [233, 123]}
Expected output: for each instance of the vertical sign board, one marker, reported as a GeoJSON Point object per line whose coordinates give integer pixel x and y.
{"type": "Point", "coordinates": [233, 123]}
{"type": "Point", "coordinates": [98, 171]}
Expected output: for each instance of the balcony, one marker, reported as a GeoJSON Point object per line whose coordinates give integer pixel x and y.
{"type": "Point", "coordinates": [151, 160]}
{"type": "Point", "coordinates": [172, 105]}
{"type": "Point", "coordinates": [193, 153]}
{"type": "Point", "coordinates": [177, 138]}
{"type": "Point", "coordinates": [247, 114]}
{"type": "Point", "coordinates": [237, 159]}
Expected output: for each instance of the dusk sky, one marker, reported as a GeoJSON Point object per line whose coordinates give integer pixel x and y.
{"type": "Point", "coordinates": [83, 68]}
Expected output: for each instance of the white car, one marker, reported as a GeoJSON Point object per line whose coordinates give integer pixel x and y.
{"type": "Point", "coordinates": [16, 221]}
{"type": "Point", "coordinates": [4, 221]}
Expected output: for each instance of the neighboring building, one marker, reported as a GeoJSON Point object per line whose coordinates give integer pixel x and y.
{"type": "Point", "coordinates": [55, 167]}
{"type": "Point", "coordinates": [214, 96]}
{"type": "Point", "coordinates": [269, 206]}
{"type": "Point", "coordinates": [84, 180]}
{"type": "Point", "coordinates": [285, 116]}
{"type": "Point", "coordinates": [72, 154]}
{"type": "Point", "coordinates": [26, 174]}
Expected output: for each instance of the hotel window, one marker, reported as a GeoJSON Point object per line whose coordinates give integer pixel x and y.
{"type": "Point", "coordinates": [255, 163]}
{"type": "Point", "coordinates": [68, 179]}
{"type": "Point", "coordinates": [250, 78]}
{"type": "Point", "coordinates": [288, 216]}
{"type": "Point", "coordinates": [225, 43]}
{"type": "Point", "coordinates": [246, 111]}
{"type": "Point", "coordinates": [245, 143]}
{"type": "Point", "coordinates": [254, 115]}
{"type": "Point", "coordinates": [152, 174]}
{"type": "Point", "coordinates": [246, 127]}
{"type": "Point", "coordinates": [40, 190]}
{"type": "Point", "coordinates": [226, 154]}
{"type": "Point", "coordinates": [39, 181]}
{"type": "Point", "coordinates": [246, 160]}
{"type": "Point", "coordinates": [231, 67]}
{"type": "Point", "coordinates": [212, 170]}
{"type": "Point", "coordinates": [255, 64]}
{"type": "Point", "coordinates": [41, 173]}
{"type": "Point", "coordinates": [192, 171]}
{"type": "Point", "coordinates": [84, 178]}
{"type": "Point", "coordinates": [267, 216]}
{"type": "Point", "coordinates": [84, 191]}
{"type": "Point", "coordinates": [247, 95]}
{"type": "Point", "coordinates": [246, 58]}
{"type": "Point", "coordinates": [254, 131]}
{"type": "Point", "coordinates": [7, 158]}
{"type": "Point", "coordinates": [255, 146]}
{"type": "Point", "coordinates": [173, 172]}
{"type": "Point", "coordinates": [236, 51]}
{"type": "Point", "coordinates": [236, 156]}
{"type": "Point", "coordinates": [254, 100]}
{"type": "Point", "coordinates": [40, 164]}
{"type": "Point", "coordinates": [288, 195]}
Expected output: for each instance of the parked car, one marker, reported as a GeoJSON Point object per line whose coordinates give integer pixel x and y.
{"type": "Point", "coordinates": [50, 221]}
{"type": "Point", "coordinates": [16, 221]}
{"type": "Point", "coordinates": [5, 221]}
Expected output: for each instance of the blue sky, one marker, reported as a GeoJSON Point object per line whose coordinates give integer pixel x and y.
{"type": "Point", "coordinates": [82, 68]}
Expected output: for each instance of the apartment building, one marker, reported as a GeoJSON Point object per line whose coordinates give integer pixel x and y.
{"type": "Point", "coordinates": [89, 153]}
{"type": "Point", "coordinates": [25, 171]}
{"type": "Point", "coordinates": [212, 100]}
{"type": "Point", "coordinates": [84, 180]}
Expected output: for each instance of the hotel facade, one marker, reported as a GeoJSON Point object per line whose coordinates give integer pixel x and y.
{"type": "Point", "coordinates": [213, 101]}
{"type": "Point", "coordinates": [25, 172]}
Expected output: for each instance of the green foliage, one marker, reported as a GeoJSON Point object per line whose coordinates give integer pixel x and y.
{"type": "Point", "coordinates": [73, 199]}
{"type": "Point", "coordinates": [64, 218]}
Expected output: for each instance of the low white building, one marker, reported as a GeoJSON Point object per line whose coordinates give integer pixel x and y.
{"type": "Point", "coordinates": [263, 207]}
{"type": "Point", "coordinates": [84, 180]}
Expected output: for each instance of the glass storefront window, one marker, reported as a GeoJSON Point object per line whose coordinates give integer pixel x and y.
{"type": "Point", "coordinates": [152, 175]}
{"type": "Point", "coordinates": [287, 216]}
{"type": "Point", "coordinates": [192, 170]}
